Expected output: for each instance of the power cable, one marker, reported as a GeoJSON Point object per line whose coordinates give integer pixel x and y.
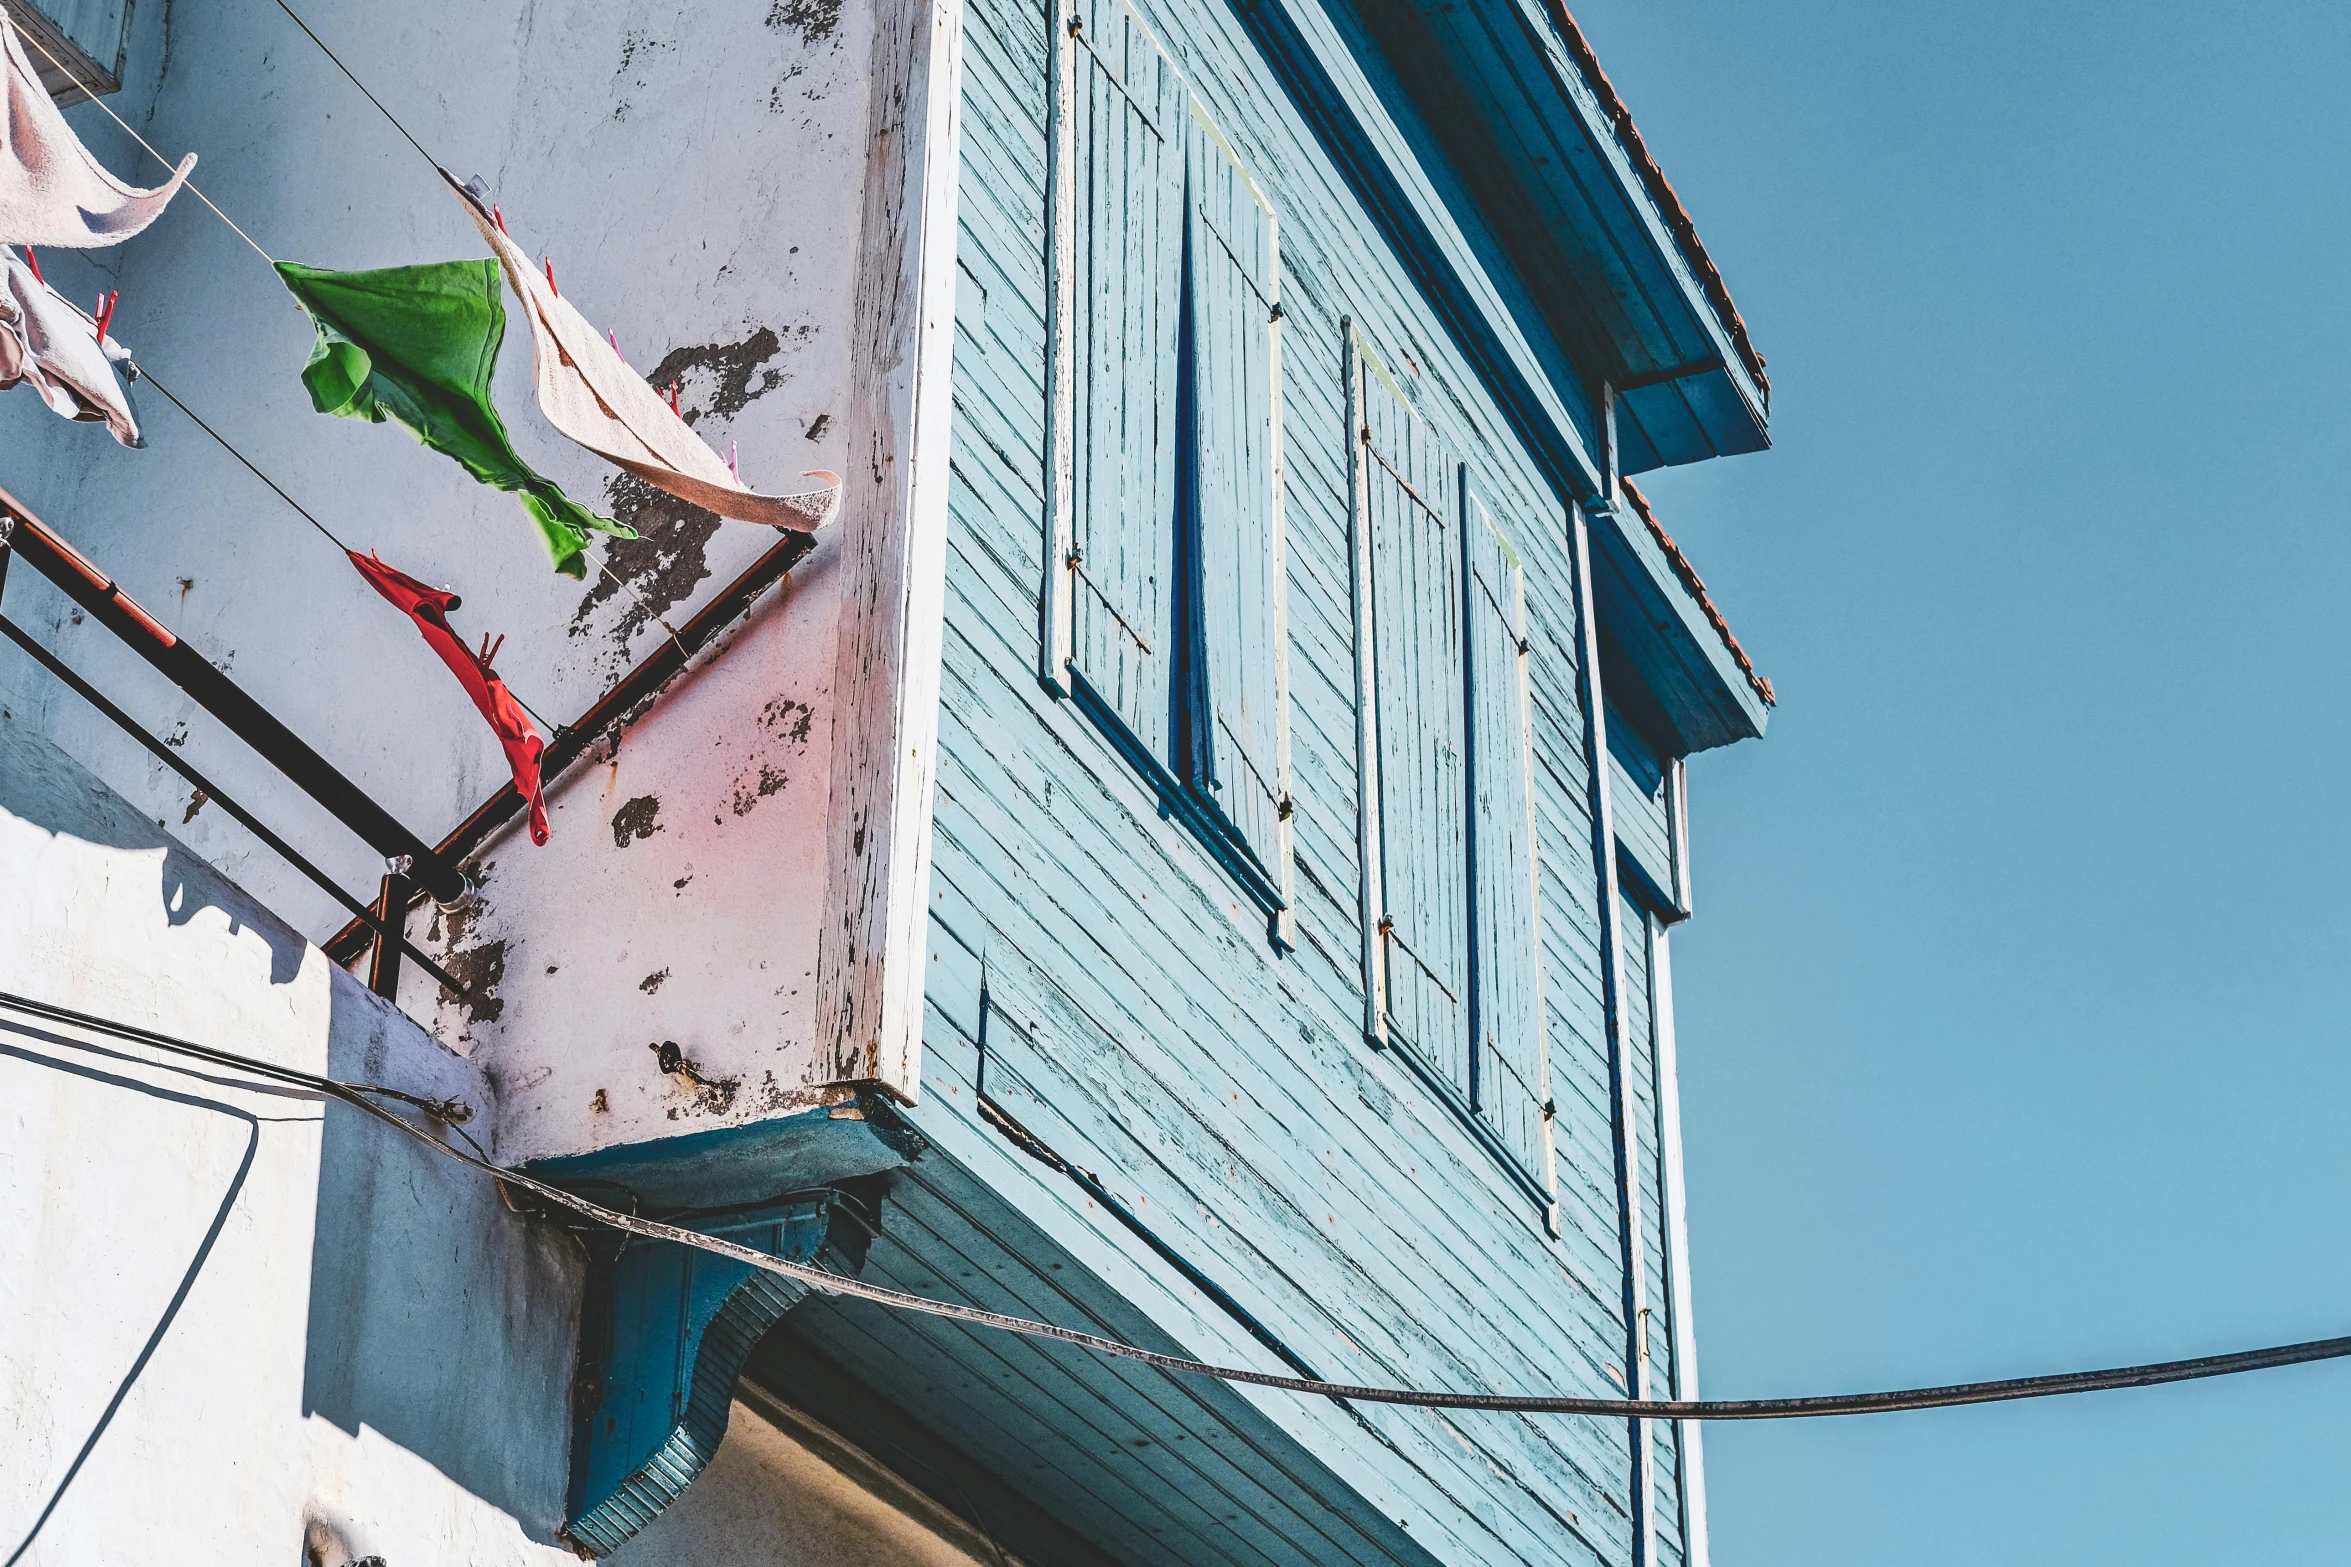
{"type": "Point", "coordinates": [356, 82]}
{"type": "Point", "coordinates": [357, 1095]}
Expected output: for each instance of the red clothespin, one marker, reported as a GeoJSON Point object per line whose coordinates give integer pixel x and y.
{"type": "Point", "coordinates": [106, 312]}
{"type": "Point", "coordinates": [489, 651]}
{"type": "Point", "coordinates": [34, 262]}
{"type": "Point", "coordinates": [500, 219]}
{"type": "Point", "coordinates": [673, 397]}
{"type": "Point", "coordinates": [551, 288]}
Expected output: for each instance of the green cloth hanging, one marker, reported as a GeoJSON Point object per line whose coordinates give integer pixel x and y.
{"type": "Point", "coordinates": [417, 344]}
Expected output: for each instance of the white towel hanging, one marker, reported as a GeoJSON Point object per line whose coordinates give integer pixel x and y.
{"type": "Point", "coordinates": [591, 395]}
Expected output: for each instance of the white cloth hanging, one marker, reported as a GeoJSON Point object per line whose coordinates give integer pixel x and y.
{"type": "Point", "coordinates": [47, 344]}
{"type": "Point", "coordinates": [52, 192]}
{"type": "Point", "coordinates": [589, 393]}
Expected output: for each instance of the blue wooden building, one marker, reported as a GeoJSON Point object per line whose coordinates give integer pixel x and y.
{"type": "Point", "coordinates": [1191, 852]}
{"type": "Point", "coordinates": [1310, 815]}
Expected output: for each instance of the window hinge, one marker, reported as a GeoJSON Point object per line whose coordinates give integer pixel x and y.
{"type": "Point", "coordinates": [1286, 808]}
{"type": "Point", "coordinates": [1550, 1109]}
{"type": "Point", "coordinates": [1074, 557]}
{"type": "Point", "coordinates": [1525, 647]}
{"type": "Point", "coordinates": [1274, 314]}
{"type": "Point", "coordinates": [1077, 25]}
{"type": "Point", "coordinates": [1387, 924]}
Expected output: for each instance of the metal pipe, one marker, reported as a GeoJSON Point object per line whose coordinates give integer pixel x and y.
{"type": "Point", "coordinates": [391, 914]}
{"type": "Point", "coordinates": [244, 818]}
{"type": "Point", "coordinates": [640, 685]}
{"type": "Point", "coordinates": [80, 580]}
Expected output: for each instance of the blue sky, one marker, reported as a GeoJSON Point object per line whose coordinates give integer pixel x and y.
{"type": "Point", "coordinates": [2013, 1015]}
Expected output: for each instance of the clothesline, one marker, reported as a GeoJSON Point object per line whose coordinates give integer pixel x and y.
{"type": "Point", "coordinates": [91, 93]}
{"type": "Point", "coordinates": [140, 372]}
{"type": "Point", "coordinates": [599, 561]}
{"type": "Point", "coordinates": [410, 344]}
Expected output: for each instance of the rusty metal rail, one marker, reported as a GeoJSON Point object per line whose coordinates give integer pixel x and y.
{"type": "Point", "coordinates": [172, 657]}
{"type": "Point", "coordinates": [571, 742]}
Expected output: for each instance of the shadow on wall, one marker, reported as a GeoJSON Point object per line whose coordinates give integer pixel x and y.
{"type": "Point", "coordinates": [439, 1318]}
{"type": "Point", "coordinates": [48, 789]}
{"type": "Point", "coordinates": [78, 1057]}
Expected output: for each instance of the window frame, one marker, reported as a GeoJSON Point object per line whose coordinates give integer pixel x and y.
{"type": "Point", "coordinates": [1539, 1180]}
{"type": "Point", "coordinates": [1170, 761]}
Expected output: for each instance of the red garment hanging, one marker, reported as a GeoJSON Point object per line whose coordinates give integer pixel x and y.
{"type": "Point", "coordinates": [429, 607]}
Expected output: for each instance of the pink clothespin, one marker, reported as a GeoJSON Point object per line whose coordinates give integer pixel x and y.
{"type": "Point", "coordinates": [612, 337]}
{"type": "Point", "coordinates": [551, 288]}
{"type": "Point", "coordinates": [34, 262]}
{"type": "Point", "coordinates": [105, 312]}
{"type": "Point", "coordinates": [500, 219]}
{"type": "Point", "coordinates": [731, 468]}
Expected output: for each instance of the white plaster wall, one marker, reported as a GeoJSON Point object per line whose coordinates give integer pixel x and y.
{"type": "Point", "coordinates": [698, 175]}
{"type": "Point", "coordinates": [250, 1318]}
{"type": "Point", "coordinates": [241, 1324]}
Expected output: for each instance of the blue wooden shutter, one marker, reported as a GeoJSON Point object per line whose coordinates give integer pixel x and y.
{"type": "Point", "coordinates": [1127, 255]}
{"type": "Point", "coordinates": [1420, 880]}
{"type": "Point", "coordinates": [1512, 1066]}
{"type": "Point", "coordinates": [1240, 761]}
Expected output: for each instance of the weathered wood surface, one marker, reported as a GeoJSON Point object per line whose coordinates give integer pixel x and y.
{"type": "Point", "coordinates": [893, 542]}
{"type": "Point", "coordinates": [1137, 1016]}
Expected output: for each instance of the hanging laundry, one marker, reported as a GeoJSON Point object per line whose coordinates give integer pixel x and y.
{"type": "Point", "coordinates": [52, 192]}
{"type": "Point", "coordinates": [49, 345]}
{"type": "Point", "coordinates": [589, 393]}
{"type": "Point", "coordinates": [429, 607]}
{"type": "Point", "coordinates": [417, 344]}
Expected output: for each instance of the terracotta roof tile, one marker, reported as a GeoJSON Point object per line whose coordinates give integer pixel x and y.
{"type": "Point", "coordinates": [1677, 217]}
{"type": "Point", "coordinates": [1690, 579]}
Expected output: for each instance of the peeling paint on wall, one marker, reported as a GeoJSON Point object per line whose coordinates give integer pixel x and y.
{"type": "Point", "coordinates": [710, 1096]}
{"type": "Point", "coordinates": [813, 20]}
{"type": "Point", "coordinates": [750, 791]}
{"type": "Point", "coordinates": [478, 967]}
{"type": "Point", "coordinates": [639, 818]}
{"type": "Point", "coordinates": [661, 566]}
{"type": "Point", "coordinates": [732, 366]}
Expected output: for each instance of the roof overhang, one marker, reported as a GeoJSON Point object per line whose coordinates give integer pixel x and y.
{"type": "Point", "coordinates": [1511, 91]}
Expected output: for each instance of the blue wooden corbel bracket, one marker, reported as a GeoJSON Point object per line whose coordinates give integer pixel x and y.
{"type": "Point", "coordinates": [666, 1330]}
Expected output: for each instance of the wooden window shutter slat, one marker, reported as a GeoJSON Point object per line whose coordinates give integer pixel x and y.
{"type": "Point", "coordinates": [1127, 257]}
{"type": "Point", "coordinates": [1239, 762]}
{"type": "Point", "coordinates": [1513, 1090]}
{"type": "Point", "coordinates": [1415, 564]}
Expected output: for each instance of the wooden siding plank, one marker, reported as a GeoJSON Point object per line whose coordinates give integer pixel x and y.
{"type": "Point", "coordinates": [1224, 1090]}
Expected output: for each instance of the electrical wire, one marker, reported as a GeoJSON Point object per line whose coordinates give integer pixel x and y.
{"type": "Point", "coordinates": [356, 82]}
{"type": "Point", "coordinates": [92, 94]}
{"type": "Point", "coordinates": [615, 578]}
{"type": "Point", "coordinates": [357, 1095]}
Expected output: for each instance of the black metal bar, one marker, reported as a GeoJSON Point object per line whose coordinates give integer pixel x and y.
{"type": "Point", "coordinates": [391, 914]}
{"type": "Point", "coordinates": [641, 684]}
{"type": "Point", "coordinates": [172, 759]}
{"type": "Point", "coordinates": [226, 701]}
